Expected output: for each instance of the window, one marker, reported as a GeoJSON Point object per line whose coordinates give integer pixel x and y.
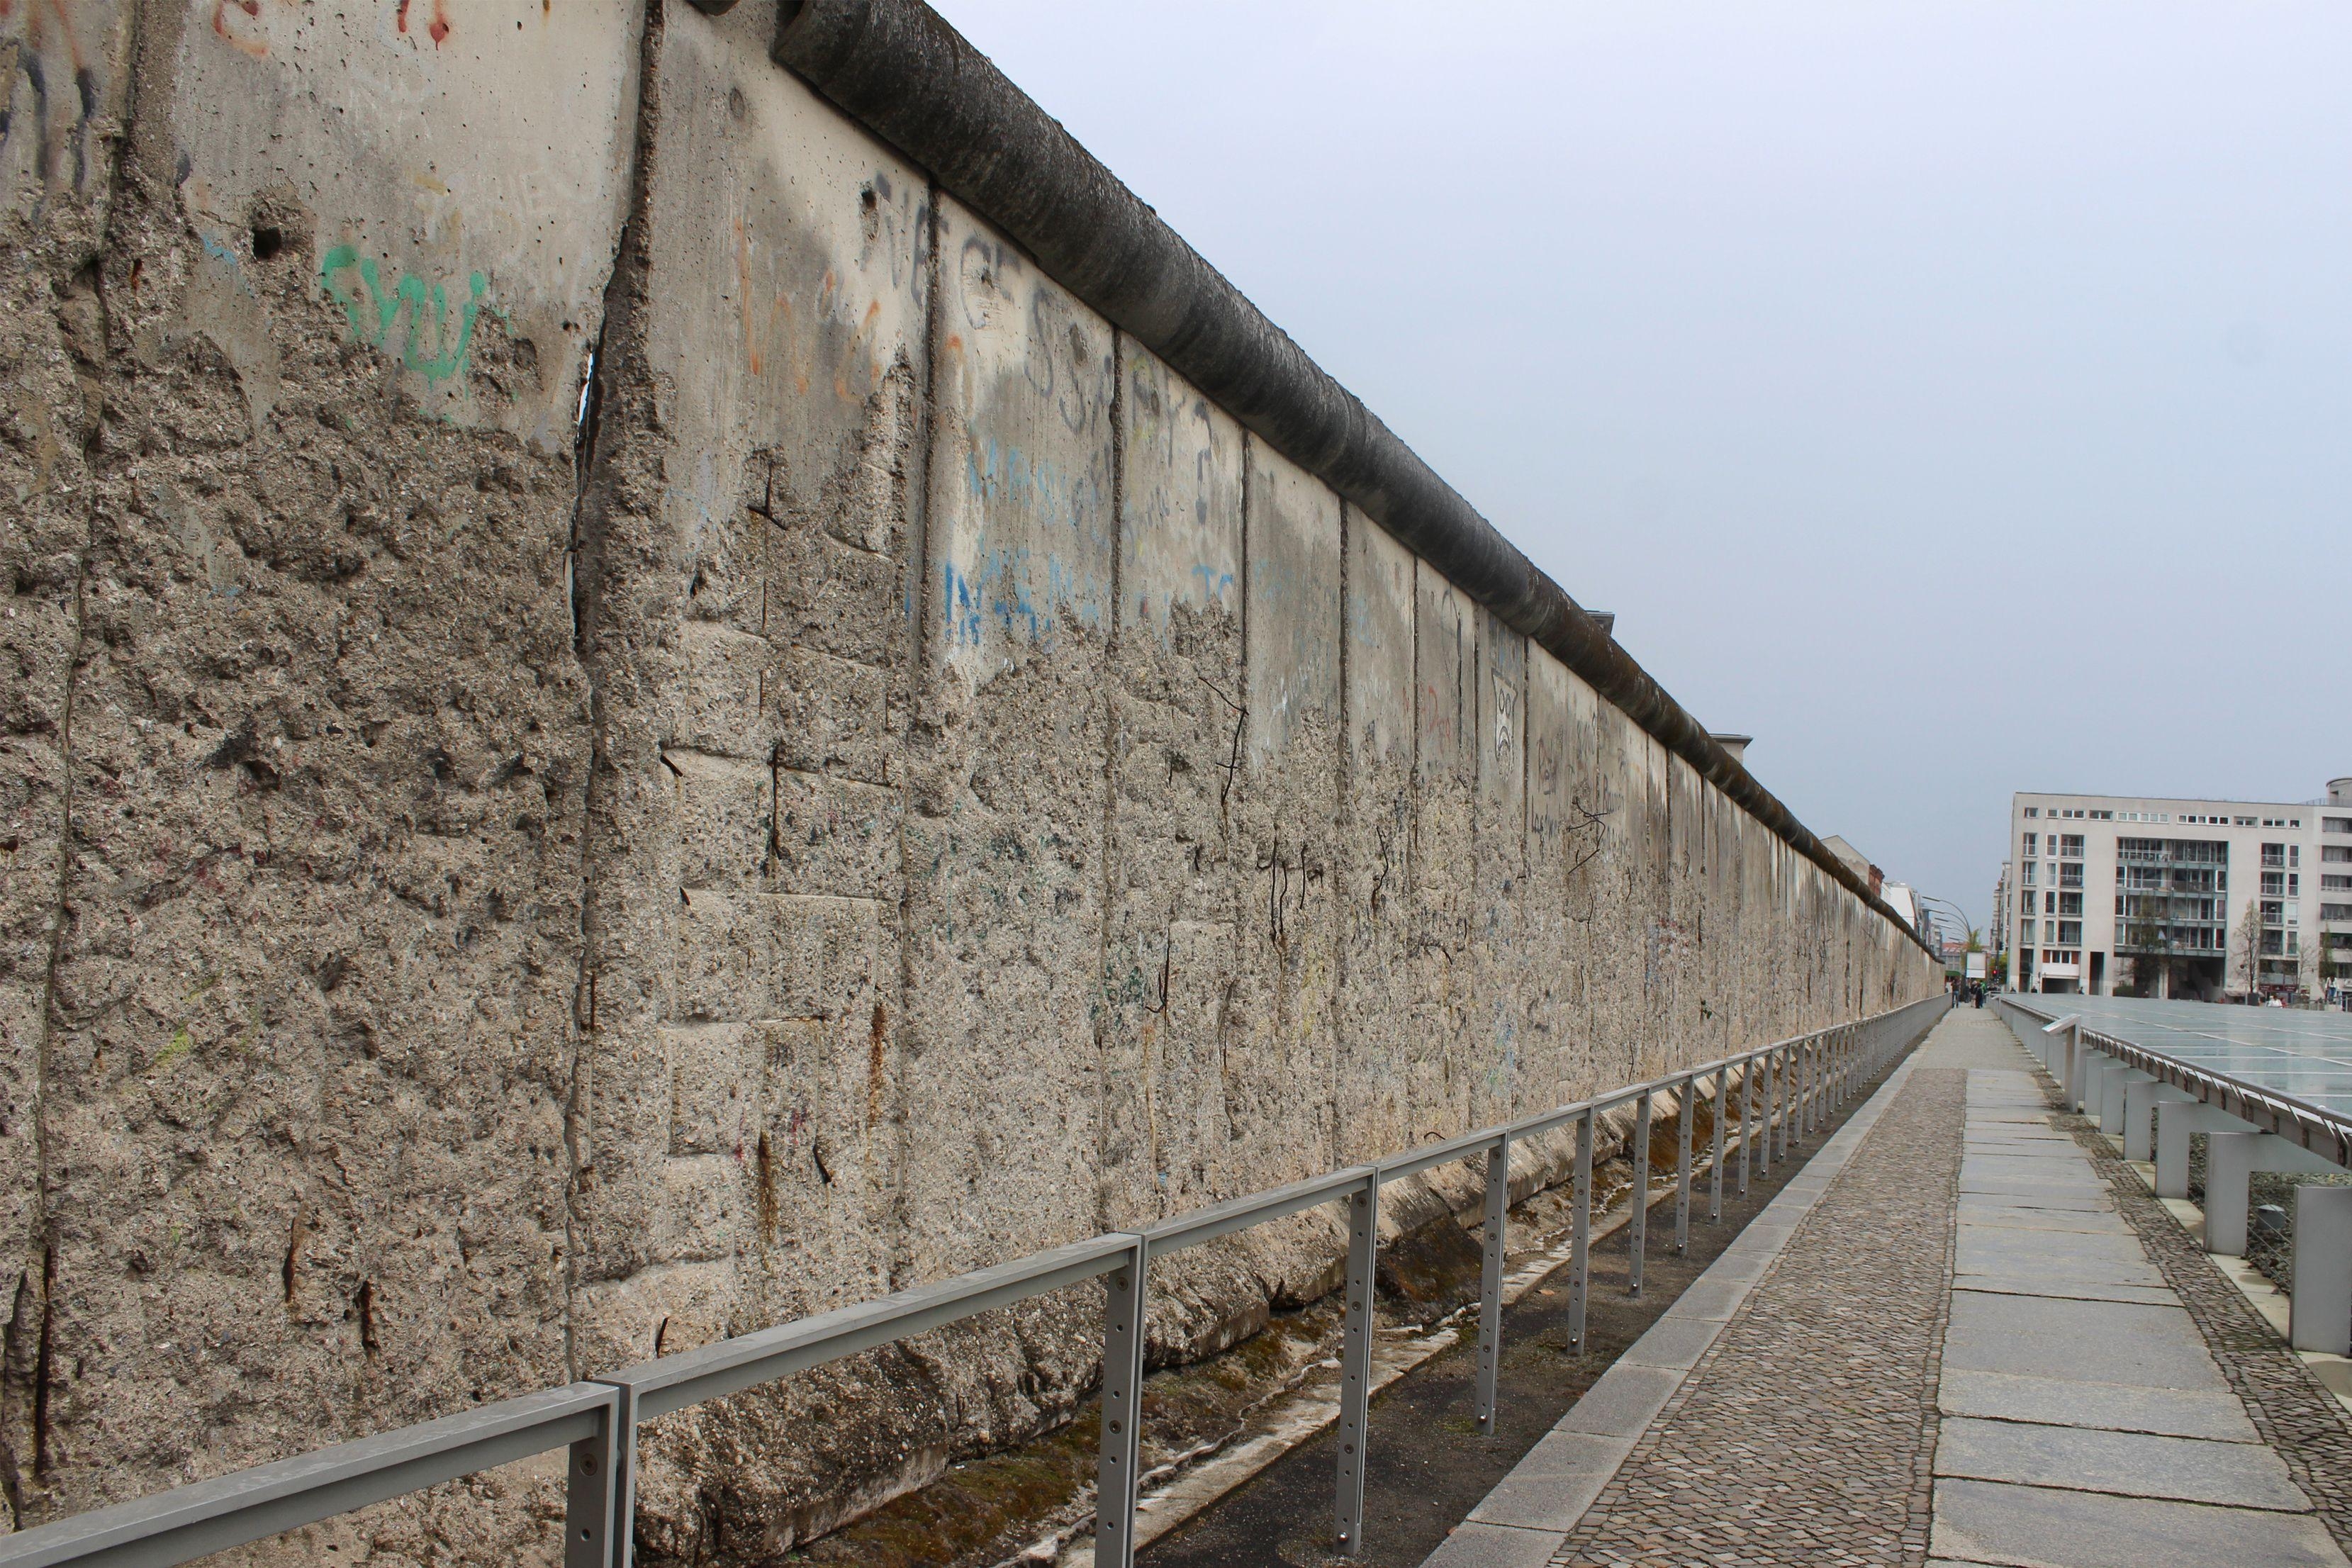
{"type": "Point", "coordinates": [2032, 846]}
{"type": "Point", "coordinates": [2070, 874]}
{"type": "Point", "coordinates": [2275, 855]}
{"type": "Point", "coordinates": [2295, 853]}
{"type": "Point", "coordinates": [2049, 903]}
{"type": "Point", "coordinates": [2070, 848]}
{"type": "Point", "coordinates": [2336, 913]}
{"type": "Point", "coordinates": [2030, 865]}
{"type": "Point", "coordinates": [2336, 854]}
{"type": "Point", "coordinates": [2274, 883]}
{"type": "Point", "coordinates": [2032, 811]}
{"type": "Point", "coordinates": [2336, 825]}
{"type": "Point", "coordinates": [2274, 912]}
{"type": "Point", "coordinates": [2050, 930]}
{"type": "Point", "coordinates": [2070, 931]}
{"type": "Point", "coordinates": [2070, 903]}
{"type": "Point", "coordinates": [2245, 822]}
{"type": "Point", "coordinates": [2102, 816]}
{"type": "Point", "coordinates": [2336, 884]}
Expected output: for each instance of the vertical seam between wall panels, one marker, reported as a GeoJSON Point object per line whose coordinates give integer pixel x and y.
{"type": "Point", "coordinates": [1112, 687]}
{"type": "Point", "coordinates": [622, 303]}
{"type": "Point", "coordinates": [1343, 882]}
{"type": "Point", "coordinates": [923, 671]}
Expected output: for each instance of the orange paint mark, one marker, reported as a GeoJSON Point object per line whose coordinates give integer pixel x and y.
{"type": "Point", "coordinates": [253, 48]}
{"type": "Point", "coordinates": [400, 17]}
{"type": "Point", "coordinates": [743, 291]}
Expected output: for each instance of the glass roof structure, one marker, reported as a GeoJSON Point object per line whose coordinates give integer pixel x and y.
{"type": "Point", "coordinates": [2288, 1052]}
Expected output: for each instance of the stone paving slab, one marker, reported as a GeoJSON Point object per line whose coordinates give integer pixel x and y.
{"type": "Point", "coordinates": [2089, 1342]}
{"type": "Point", "coordinates": [2040, 1527]}
{"type": "Point", "coordinates": [2074, 1221]}
{"type": "Point", "coordinates": [2073, 1289]}
{"type": "Point", "coordinates": [2116, 1407]}
{"type": "Point", "coordinates": [2133, 1463]}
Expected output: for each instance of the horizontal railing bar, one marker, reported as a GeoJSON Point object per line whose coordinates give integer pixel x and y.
{"type": "Point", "coordinates": [689, 1377]}
{"type": "Point", "coordinates": [205, 1517]}
{"type": "Point", "coordinates": [1240, 1214]}
{"type": "Point", "coordinates": [1430, 1154]}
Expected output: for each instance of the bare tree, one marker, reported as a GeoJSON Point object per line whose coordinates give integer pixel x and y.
{"type": "Point", "coordinates": [2249, 945]}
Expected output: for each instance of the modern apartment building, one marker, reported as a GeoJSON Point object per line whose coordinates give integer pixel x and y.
{"type": "Point", "coordinates": [2194, 899]}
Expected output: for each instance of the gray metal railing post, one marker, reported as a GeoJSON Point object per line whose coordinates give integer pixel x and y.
{"type": "Point", "coordinates": [1637, 1242]}
{"type": "Point", "coordinates": [618, 1442]}
{"type": "Point", "coordinates": [1689, 1095]}
{"type": "Point", "coordinates": [1490, 1287]}
{"type": "Point", "coordinates": [1714, 1165]}
{"type": "Point", "coordinates": [1581, 1230]}
{"type": "Point", "coordinates": [1125, 1302]}
{"type": "Point", "coordinates": [1780, 1087]}
{"type": "Point", "coordinates": [1356, 1362]}
{"type": "Point", "coordinates": [1759, 1067]}
{"type": "Point", "coordinates": [594, 1532]}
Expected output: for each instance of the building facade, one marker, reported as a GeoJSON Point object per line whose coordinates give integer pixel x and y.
{"type": "Point", "coordinates": [2205, 900]}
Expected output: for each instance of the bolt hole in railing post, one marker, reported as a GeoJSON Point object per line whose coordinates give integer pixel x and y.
{"type": "Point", "coordinates": [1715, 1163]}
{"type": "Point", "coordinates": [597, 1529]}
{"type": "Point", "coordinates": [1580, 1243]}
{"type": "Point", "coordinates": [614, 1451]}
{"type": "Point", "coordinates": [1759, 1068]}
{"type": "Point", "coordinates": [1637, 1241]}
{"type": "Point", "coordinates": [1126, 1297]}
{"type": "Point", "coordinates": [1688, 1097]}
{"type": "Point", "coordinates": [1490, 1285]}
{"type": "Point", "coordinates": [1356, 1362]}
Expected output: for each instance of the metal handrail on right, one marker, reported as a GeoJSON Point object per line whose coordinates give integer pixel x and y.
{"type": "Point", "coordinates": [1801, 1079]}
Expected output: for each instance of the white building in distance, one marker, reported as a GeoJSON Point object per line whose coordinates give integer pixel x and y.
{"type": "Point", "coordinates": [2122, 896]}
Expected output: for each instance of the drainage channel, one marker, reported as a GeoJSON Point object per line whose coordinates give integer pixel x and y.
{"type": "Point", "coordinates": [1428, 1466]}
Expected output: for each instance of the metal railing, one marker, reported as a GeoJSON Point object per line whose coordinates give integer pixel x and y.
{"type": "Point", "coordinates": [2322, 1133]}
{"type": "Point", "coordinates": [1800, 1081]}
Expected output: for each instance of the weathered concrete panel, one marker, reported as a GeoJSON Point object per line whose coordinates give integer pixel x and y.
{"type": "Point", "coordinates": [307, 1031]}
{"type": "Point", "coordinates": [1375, 1085]}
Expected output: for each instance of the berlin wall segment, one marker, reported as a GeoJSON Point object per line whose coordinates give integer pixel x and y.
{"type": "Point", "coordinates": [296, 736]}
{"type": "Point", "coordinates": [919, 784]}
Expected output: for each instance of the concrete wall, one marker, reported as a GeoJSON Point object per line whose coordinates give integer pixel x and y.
{"type": "Point", "coordinates": [491, 893]}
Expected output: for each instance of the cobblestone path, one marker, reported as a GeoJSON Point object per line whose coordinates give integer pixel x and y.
{"type": "Point", "coordinates": [1806, 1435]}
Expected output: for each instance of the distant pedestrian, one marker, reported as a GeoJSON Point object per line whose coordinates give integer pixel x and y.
{"type": "Point", "coordinates": [1976, 990]}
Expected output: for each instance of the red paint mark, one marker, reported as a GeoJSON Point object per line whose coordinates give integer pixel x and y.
{"type": "Point", "coordinates": [440, 27]}
{"type": "Point", "coordinates": [400, 17]}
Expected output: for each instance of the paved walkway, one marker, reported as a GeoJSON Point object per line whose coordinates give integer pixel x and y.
{"type": "Point", "coordinates": [1951, 1344]}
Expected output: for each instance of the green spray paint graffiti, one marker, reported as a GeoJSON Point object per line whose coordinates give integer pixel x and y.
{"type": "Point", "coordinates": [429, 347]}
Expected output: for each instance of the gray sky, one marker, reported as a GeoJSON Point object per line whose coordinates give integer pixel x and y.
{"type": "Point", "coordinates": [1953, 395]}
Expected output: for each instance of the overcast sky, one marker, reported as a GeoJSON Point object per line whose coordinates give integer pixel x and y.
{"type": "Point", "coordinates": [1953, 395]}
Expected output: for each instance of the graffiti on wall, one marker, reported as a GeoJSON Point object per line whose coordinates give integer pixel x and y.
{"type": "Point", "coordinates": [432, 344]}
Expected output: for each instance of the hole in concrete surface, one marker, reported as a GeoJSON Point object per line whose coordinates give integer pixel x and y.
{"type": "Point", "coordinates": [269, 240]}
